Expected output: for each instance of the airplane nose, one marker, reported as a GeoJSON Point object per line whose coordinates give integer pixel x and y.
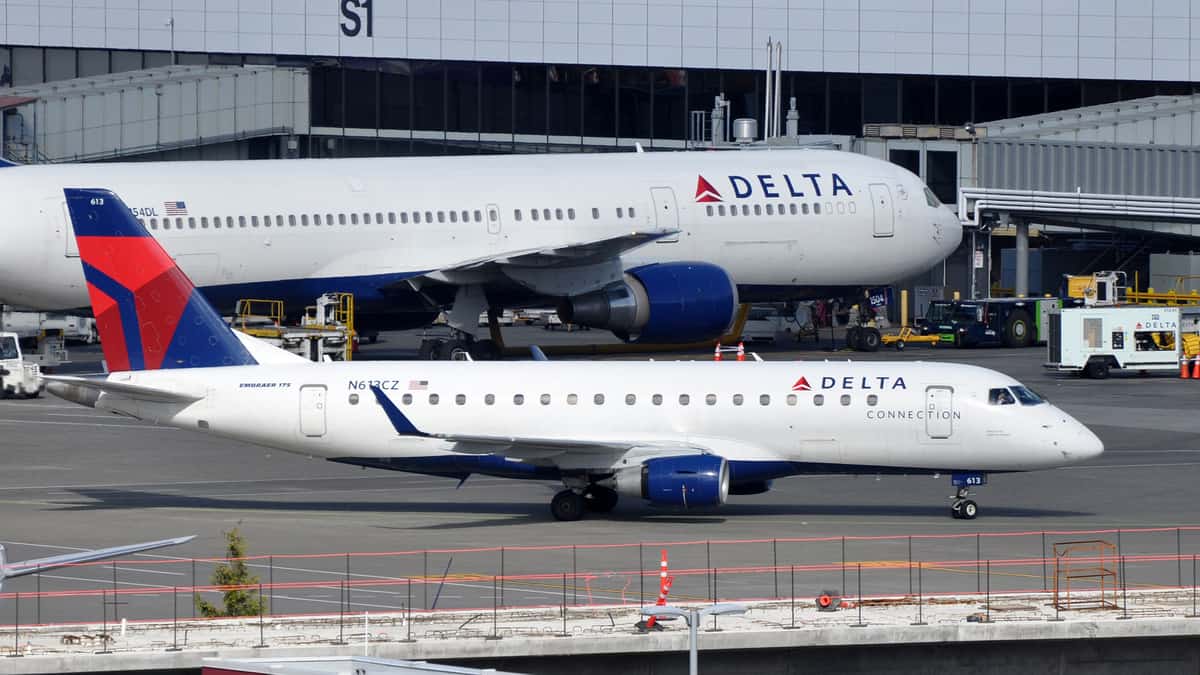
{"type": "Point", "coordinates": [1089, 444]}
{"type": "Point", "coordinates": [949, 232]}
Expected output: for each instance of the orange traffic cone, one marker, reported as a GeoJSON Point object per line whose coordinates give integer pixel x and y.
{"type": "Point", "coordinates": [1184, 374]}
{"type": "Point", "coordinates": [717, 352]}
{"type": "Point", "coordinates": [741, 352]}
{"type": "Point", "coordinates": [1196, 368]}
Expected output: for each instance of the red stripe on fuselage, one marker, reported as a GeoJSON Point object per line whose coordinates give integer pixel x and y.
{"type": "Point", "coordinates": [112, 334]}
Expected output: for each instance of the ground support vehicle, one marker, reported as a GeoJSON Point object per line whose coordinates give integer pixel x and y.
{"type": "Point", "coordinates": [1011, 322]}
{"type": "Point", "coordinates": [18, 377]}
{"type": "Point", "coordinates": [1093, 341]}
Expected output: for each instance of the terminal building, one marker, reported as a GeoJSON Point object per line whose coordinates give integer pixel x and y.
{"type": "Point", "coordinates": [1005, 109]}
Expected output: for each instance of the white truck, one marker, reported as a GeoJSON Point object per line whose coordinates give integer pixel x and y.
{"type": "Point", "coordinates": [1094, 340]}
{"type": "Point", "coordinates": [18, 377]}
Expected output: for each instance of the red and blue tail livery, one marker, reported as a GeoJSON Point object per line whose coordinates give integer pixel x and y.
{"type": "Point", "coordinates": [149, 314]}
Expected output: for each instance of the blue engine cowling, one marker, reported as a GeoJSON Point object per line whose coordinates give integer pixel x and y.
{"type": "Point", "coordinates": [687, 481]}
{"type": "Point", "coordinates": [662, 302]}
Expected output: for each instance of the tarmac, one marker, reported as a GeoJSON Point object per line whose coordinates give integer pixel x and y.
{"type": "Point", "coordinates": [74, 478]}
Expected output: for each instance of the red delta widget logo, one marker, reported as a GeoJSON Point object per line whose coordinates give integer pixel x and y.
{"type": "Point", "coordinates": [850, 382]}
{"type": "Point", "coordinates": [770, 186]}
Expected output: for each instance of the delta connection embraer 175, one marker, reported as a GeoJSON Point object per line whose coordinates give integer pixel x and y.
{"type": "Point", "coordinates": [653, 246]}
{"type": "Point", "coordinates": [682, 434]}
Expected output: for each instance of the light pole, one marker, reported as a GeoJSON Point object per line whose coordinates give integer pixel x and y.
{"type": "Point", "coordinates": [693, 617]}
{"type": "Point", "coordinates": [171, 25]}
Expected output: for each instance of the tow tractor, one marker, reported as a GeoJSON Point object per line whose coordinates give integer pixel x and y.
{"type": "Point", "coordinates": [1011, 322]}
{"type": "Point", "coordinates": [18, 377]}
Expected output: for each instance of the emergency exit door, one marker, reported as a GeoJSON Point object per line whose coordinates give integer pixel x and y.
{"type": "Point", "coordinates": [939, 412]}
{"type": "Point", "coordinates": [666, 215]}
{"type": "Point", "coordinates": [312, 410]}
{"type": "Point", "coordinates": [881, 207]}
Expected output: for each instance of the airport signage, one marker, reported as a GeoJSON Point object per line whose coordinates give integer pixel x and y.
{"type": "Point", "coordinates": [357, 18]}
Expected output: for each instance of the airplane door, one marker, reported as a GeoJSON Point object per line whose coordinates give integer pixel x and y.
{"type": "Point", "coordinates": [666, 214]}
{"type": "Point", "coordinates": [885, 216]}
{"type": "Point", "coordinates": [493, 220]}
{"type": "Point", "coordinates": [56, 217]}
{"type": "Point", "coordinates": [312, 410]}
{"type": "Point", "coordinates": [939, 412]}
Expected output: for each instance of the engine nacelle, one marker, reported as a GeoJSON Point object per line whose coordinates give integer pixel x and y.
{"type": "Point", "coordinates": [662, 302]}
{"type": "Point", "coordinates": [686, 480]}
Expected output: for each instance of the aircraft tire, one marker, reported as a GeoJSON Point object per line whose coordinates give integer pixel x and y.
{"type": "Point", "coordinates": [599, 499]}
{"type": "Point", "coordinates": [428, 351]}
{"type": "Point", "coordinates": [451, 348]}
{"type": "Point", "coordinates": [485, 350]}
{"type": "Point", "coordinates": [567, 506]}
{"type": "Point", "coordinates": [968, 510]}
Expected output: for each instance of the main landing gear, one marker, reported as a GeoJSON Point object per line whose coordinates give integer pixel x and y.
{"type": "Point", "coordinates": [961, 507]}
{"type": "Point", "coordinates": [571, 504]}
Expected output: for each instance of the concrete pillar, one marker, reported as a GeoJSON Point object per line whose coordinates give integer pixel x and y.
{"type": "Point", "coordinates": [1022, 283]}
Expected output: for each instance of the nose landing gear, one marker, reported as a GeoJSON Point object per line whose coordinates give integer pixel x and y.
{"type": "Point", "coordinates": [962, 508]}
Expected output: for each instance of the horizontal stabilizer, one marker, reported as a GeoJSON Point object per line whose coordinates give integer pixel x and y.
{"type": "Point", "coordinates": [20, 569]}
{"type": "Point", "coordinates": [138, 392]}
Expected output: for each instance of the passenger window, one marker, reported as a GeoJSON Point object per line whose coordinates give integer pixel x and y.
{"type": "Point", "coordinates": [630, 399]}
{"type": "Point", "coordinates": [708, 210]}
{"type": "Point", "coordinates": [406, 399]}
{"type": "Point", "coordinates": [770, 210]}
{"type": "Point", "coordinates": [545, 399]}
{"type": "Point", "coordinates": [353, 218]}
{"type": "Point", "coordinates": [1000, 396]}
{"type": "Point", "coordinates": [278, 220]}
{"type": "Point", "coordinates": [792, 208]}
{"type": "Point", "coordinates": [191, 222]}
{"type": "Point", "coordinates": [353, 399]}
{"type": "Point", "coordinates": [819, 399]}
{"type": "Point", "coordinates": [154, 223]}
{"type": "Point", "coordinates": [545, 214]}
{"type": "Point", "coordinates": [745, 209]}
{"type": "Point", "coordinates": [533, 213]}
{"type": "Point", "coordinates": [853, 207]}
{"type": "Point", "coordinates": [204, 222]}
{"type": "Point", "coordinates": [517, 215]}
{"type": "Point", "coordinates": [684, 399]}
{"type": "Point", "coordinates": [442, 216]}
{"type": "Point", "coordinates": [845, 399]}
{"type": "Point", "coordinates": [572, 399]}
{"type": "Point", "coordinates": [816, 208]}
{"type": "Point", "coordinates": [241, 221]}
{"type": "Point", "coordinates": [453, 216]}
{"type": "Point", "coordinates": [378, 218]}
{"type": "Point", "coordinates": [737, 399]}
{"type": "Point", "coordinates": [595, 214]}
{"type": "Point", "coordinates": [304, 219]}
{"type": "Point", "coordinates": [720, 209]}
{"type": "Point", "coordinates": [791, 399]}
{"type": "Point", "coordinates": [764, 399]}
{"type": "Point", "coordinates": [710, 399]}
{"type": "Point", "coordinates": [391, 218]}
{"type": "Point", "coordinates": [631, 214]}
{"type": "Point", "coordinates": [341, 219]}
{"type": "Point", "coordinates": [620, 212]}
{"type": "Point", "coordinates": [228, 221]}
{"type": "Point", "coordinates": [758, 209]}
{"type": "Point", "coordinates": [479, 216]}
{"type": "Point", "coordinates": [804, 208]}
{"type": "Point", "coordinates": [570, 214]}
{"type": "Point", "coordinates": [598, 399]}
{"type": "Point", "coordinates": [460, 399]}
{"type": "Point", "coordinates": [872, 400]}
{"type": "Point", "coordinates": [656, 399]}
{"type": "Point", "coordinates": [433, 399]}
{"type": "Point", "coordinates": [404, 217]}
{"type": "Point", "coordinates": [518, 399]}
{"type": "Point", "coordinates": [429, 216]}
{"type": "Point", "coordinates": [558, 214]}
{"type": "Point", "coordinates": [489, 399]}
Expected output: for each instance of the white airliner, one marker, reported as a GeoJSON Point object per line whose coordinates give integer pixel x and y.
{"type": "Point", "coordinates": [653, 246]}
{"type": "Point", "coordinates": [683, 434]}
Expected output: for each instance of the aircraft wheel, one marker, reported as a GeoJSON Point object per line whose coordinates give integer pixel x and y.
{"type": "Point", "coordinates": [968, 510]}
{"type": "Point", "coordinates": [599, 499]}
{"type": "Point", "coordinates": [453, 348]}
{"type": "Point", "coordinates": [869, 340]}
{"type": "Point", "coordinates": [1018, 330]}
{"type": "Point", "coordinates": [429, 350]}
{"type": "Point", "coordinates": [567, 505]}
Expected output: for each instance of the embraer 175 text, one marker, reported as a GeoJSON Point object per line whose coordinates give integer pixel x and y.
{"type": "Point", "coordinates": [682, 434]}
{"type": "Point", "coordinates": [653, 246]}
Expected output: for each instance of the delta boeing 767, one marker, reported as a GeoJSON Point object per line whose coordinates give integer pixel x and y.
{"type": "Point", "coordinates": [656, 247]}
{"type": "Point", "coordinates": [681, 434]}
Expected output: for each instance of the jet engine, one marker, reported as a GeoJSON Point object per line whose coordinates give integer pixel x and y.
{"type": "Point", "coordinates": [686, 480]}
{"type": "Point", "coordinates": [661, 302]}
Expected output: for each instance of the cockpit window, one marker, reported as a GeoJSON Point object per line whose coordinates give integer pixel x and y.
{"type": "Point", "coordinates": [8, 348]}
{"type": "Point", "coordinates": [1000, 396]}
{"type": "Point", "coordinates": [931, 198]}
{"type": "Point", "coordinates": [1027, 396]}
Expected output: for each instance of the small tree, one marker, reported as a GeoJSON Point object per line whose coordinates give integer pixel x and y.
{"type": "Point", "coordinates": [242, 601]}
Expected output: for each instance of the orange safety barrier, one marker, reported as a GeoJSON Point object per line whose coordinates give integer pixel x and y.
{"type": "Point", "coordinates": [1184, 372]}
{"type": "Point", "coordinates": [1196, 368]}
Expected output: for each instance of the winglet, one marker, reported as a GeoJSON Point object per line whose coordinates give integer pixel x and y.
{"type": "Point", "coordinates": [401, 423]}
{"type": "Point", "coordinates": [148, 313]}
{"type": "Point", "coordinates": [538, 354]}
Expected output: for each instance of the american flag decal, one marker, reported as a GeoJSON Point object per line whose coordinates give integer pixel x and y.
{"type": "Point", "coordinates": [175, 208]}
{"type": "Point", "coordinates": [418, 384]}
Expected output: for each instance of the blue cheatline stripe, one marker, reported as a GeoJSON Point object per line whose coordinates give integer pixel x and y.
{"type": "Point", "coordinates": [126, 307]}
{"type": "Point", "coordinates": [402, 424]}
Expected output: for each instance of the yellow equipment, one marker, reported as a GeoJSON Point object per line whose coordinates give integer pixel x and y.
{"type": "Point", "coordinates": [906, 335]}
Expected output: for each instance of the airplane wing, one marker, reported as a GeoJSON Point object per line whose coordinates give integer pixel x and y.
{"type": "Point", "coordinates": [138, 392]}
{"type": "Point", "coordinates": [569, 255]}
{"type": "Point", "coordinates": [20, 569]}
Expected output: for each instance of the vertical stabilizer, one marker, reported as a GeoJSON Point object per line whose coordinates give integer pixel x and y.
{"type": "Point", "coordinates": [148, 313]}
